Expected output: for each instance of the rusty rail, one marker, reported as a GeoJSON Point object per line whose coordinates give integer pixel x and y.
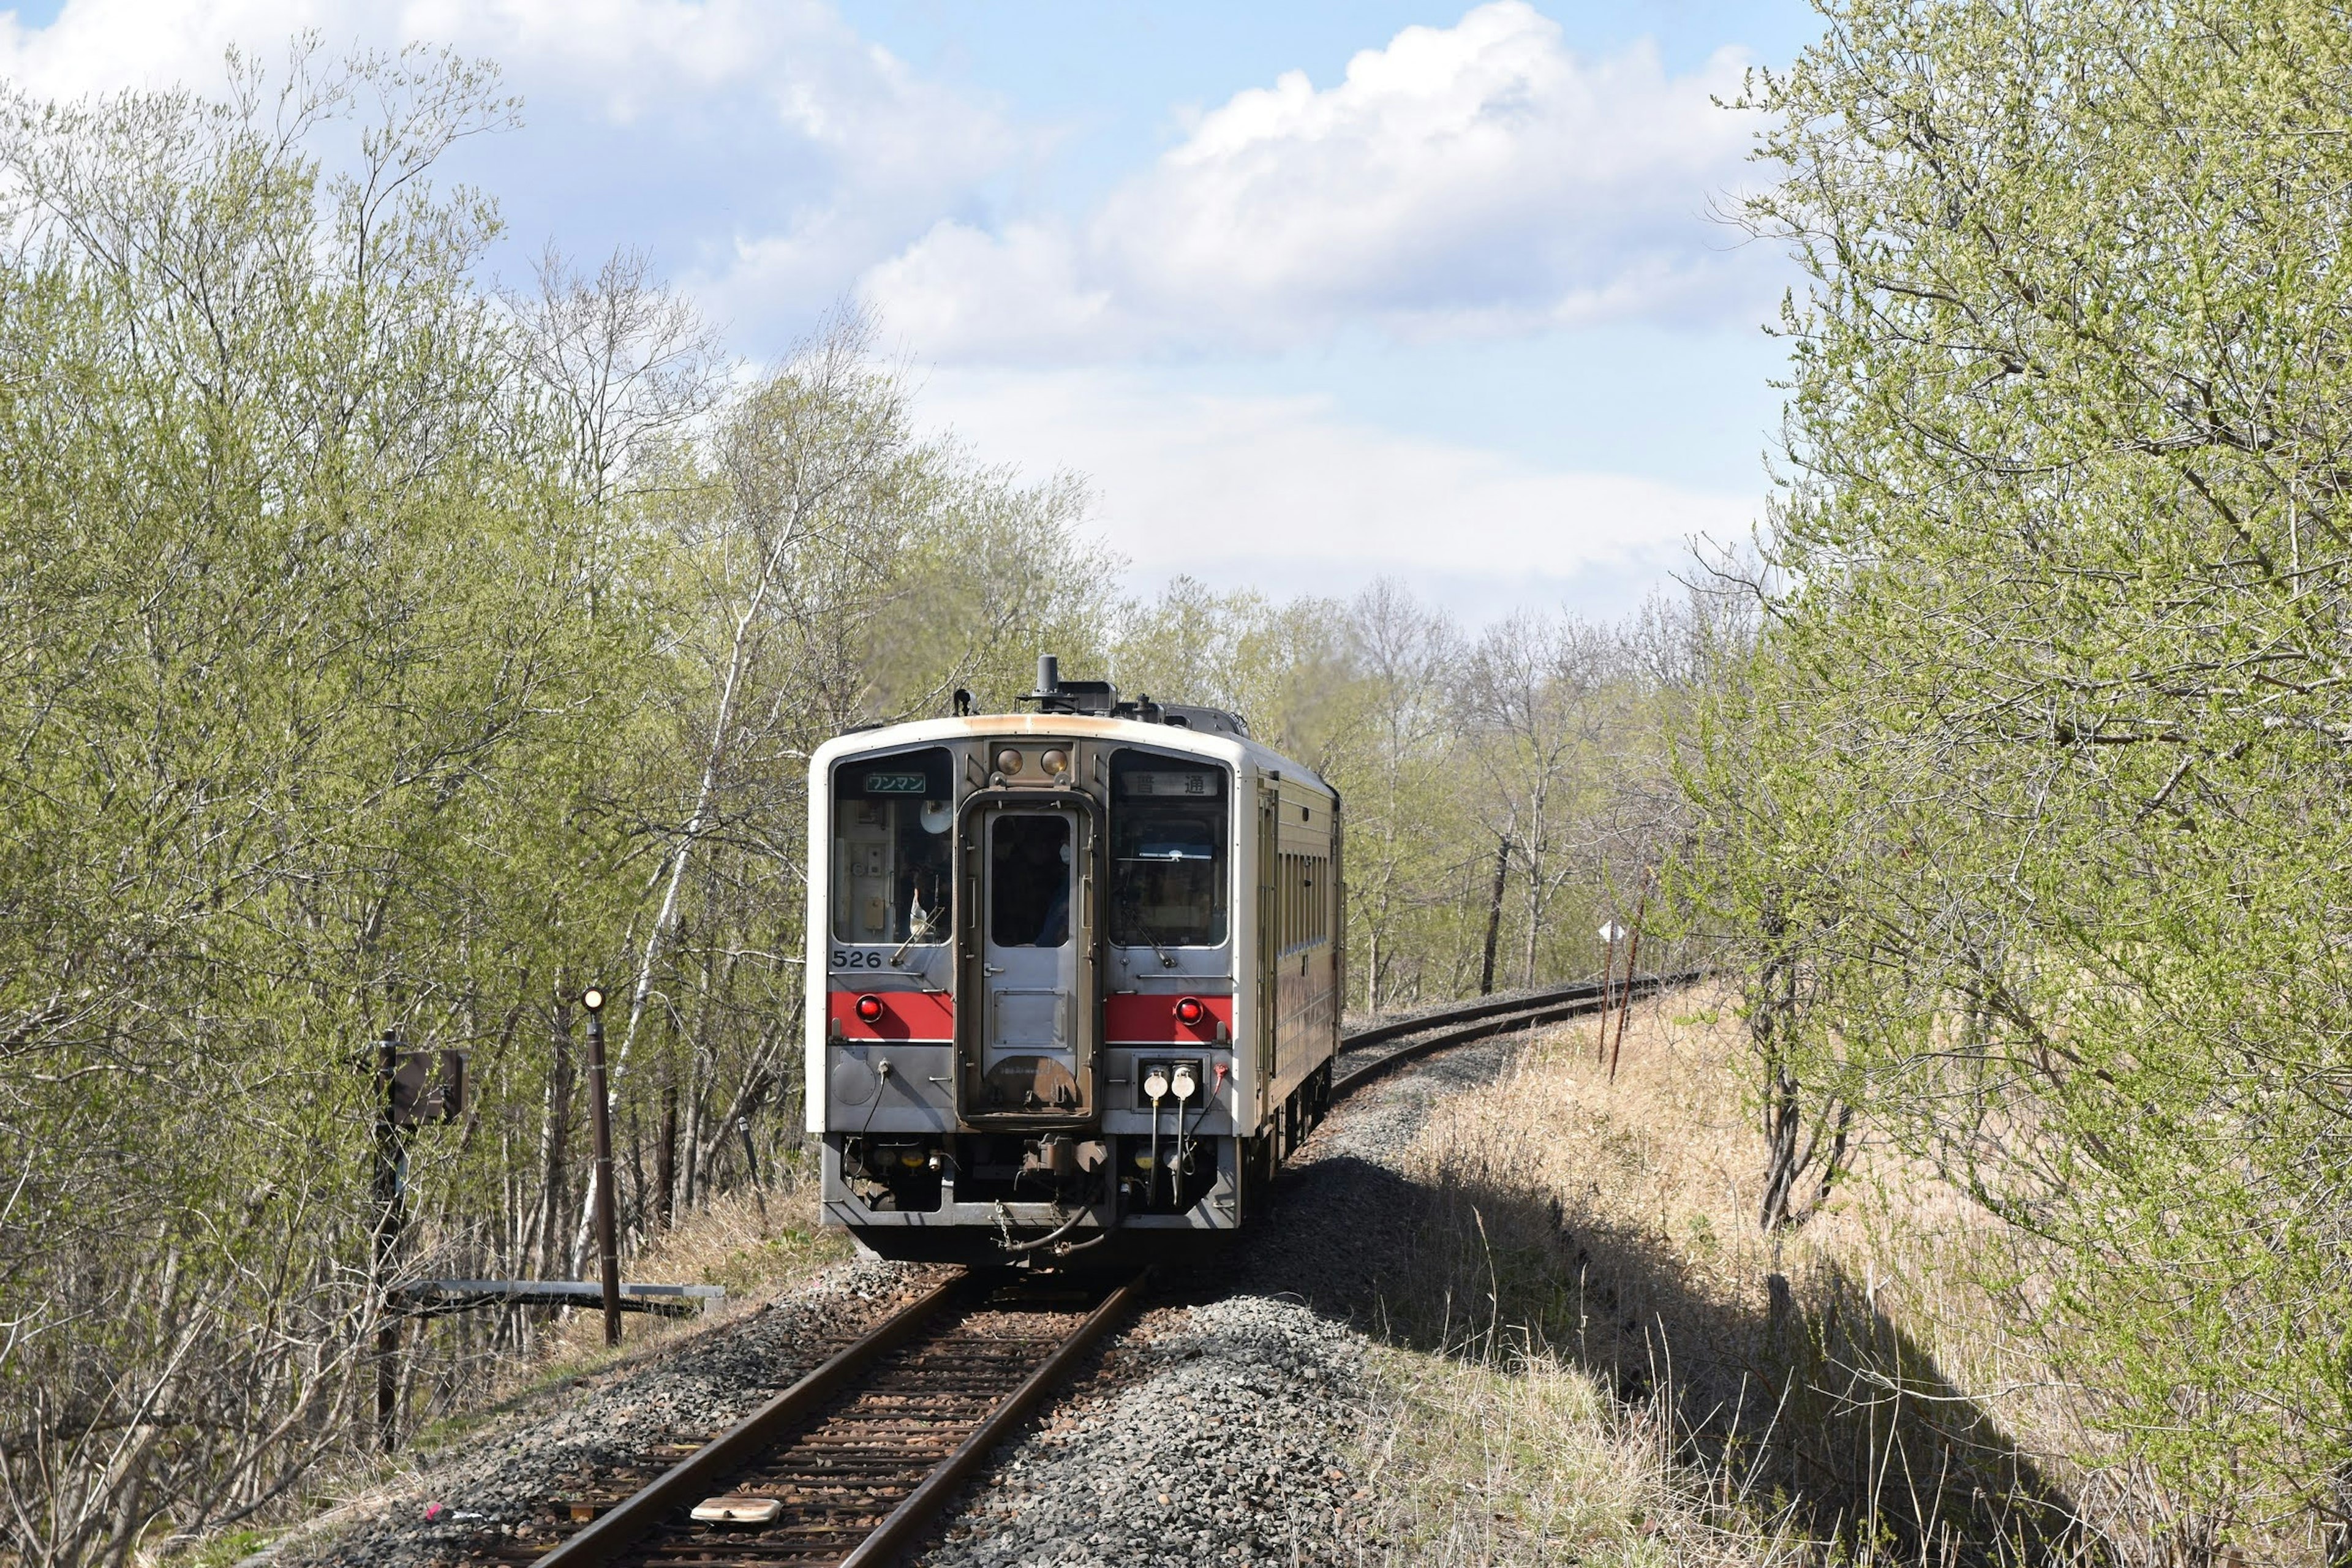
{"type": "Point", "coordinates": [691, 1479]}
{"type": "Point", "coordinates": [898, 1532]}
{"type": "Point", "coordinates": [818, 1427]}
{"type": "Point", "coordinates": [1484, 1019]}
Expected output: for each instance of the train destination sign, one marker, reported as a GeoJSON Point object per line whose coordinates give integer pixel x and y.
{"type": "Point", "coordinates": [1170, 782]}
{"type": "Point", "coordinates": [898, 784]}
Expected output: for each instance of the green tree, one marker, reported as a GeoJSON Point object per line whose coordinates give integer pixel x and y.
{"type": "Point", "coordinates": [2041, 755]}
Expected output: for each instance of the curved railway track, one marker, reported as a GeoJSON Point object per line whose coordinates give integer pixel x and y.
{"type": "Point", "coordinates": [1362, 1059]}
{"type": "Point", "coordinates": [849, 1465]}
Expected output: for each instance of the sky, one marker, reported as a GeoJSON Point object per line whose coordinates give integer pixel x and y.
{"type": "Point", "coordinates": [1312, 293]}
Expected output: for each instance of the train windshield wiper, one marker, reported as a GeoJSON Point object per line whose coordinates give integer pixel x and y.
{"type": "Point", "coordinates": [1135, 918]}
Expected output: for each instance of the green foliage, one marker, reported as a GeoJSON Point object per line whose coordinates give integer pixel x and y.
{"type": "Point", "coordinates": [1541, 740]}
{"type": "Point", "coordinates": [380, 653]}
{"type": "Point", "coordinates": [2033, 778]}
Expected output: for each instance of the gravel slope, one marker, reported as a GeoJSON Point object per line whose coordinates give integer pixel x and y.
{"type": "Point", "coordinates": [1219, 1430]}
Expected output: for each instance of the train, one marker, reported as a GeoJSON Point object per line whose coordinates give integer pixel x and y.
{"type": "Point", "coordinates": [1076, 977]}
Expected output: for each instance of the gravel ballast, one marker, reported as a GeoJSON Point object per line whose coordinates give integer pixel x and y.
{"type": "Point", "coordinates": [1219, 1442]}
{"type": "Point", "coordinates": [1221, 1429]}
{"type": "Point", "coordinates": [488, 1485]}
{"type": "Point", "coordinates": [1217, 1428]}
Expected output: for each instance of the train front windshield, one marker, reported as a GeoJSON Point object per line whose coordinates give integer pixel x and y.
{"type": "Point", "coordinates": [1168, 833]}
{"type": "Point", "coordinates": [892, 818]}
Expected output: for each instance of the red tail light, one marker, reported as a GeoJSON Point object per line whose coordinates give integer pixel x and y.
{"type": "Point", "coordinates": [1190, 1011]}
{"type": "Point", "coordinates": [870, 1009]}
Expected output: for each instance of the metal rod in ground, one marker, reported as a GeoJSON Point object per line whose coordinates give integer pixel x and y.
{"type": "Point", "coordinates": [1632, 953]}
{"type": "Point", "coordinates": [1608, 987]}
{"type": "Point", "coordinates": [600, 1121]}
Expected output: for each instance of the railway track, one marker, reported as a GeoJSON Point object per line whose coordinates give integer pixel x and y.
{"type": "Point", "coordinates": [1362, 1059]}
{"type": "Point", "coordinates": [850, 1464]}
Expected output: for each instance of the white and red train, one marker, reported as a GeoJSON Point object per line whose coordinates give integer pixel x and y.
{"type": "Point", "coordinates": [1075, 976]}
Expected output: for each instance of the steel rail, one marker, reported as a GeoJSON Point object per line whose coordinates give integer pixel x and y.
{"type": "Point", "coordinates": [619, 1528]}
{"type": "Point", "coordinates": [896, 1534]}
{"type": "Point", "coordinates": [622, 1529]}
{"type": "Point", "coordinates": [1465, 1026]}
{"type": "Point", "coordinates": [1468, 1012]}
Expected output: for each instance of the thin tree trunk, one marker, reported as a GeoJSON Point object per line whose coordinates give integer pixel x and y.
{"type": "Point", "coordinates": [739, 659]}
{"type": "Point", "coordinates": [691, 1142]}
{"type": "Point", "coordinates": [556, 1146]}
{"type": "Point", "coordinates": [1495, 916]}
{"type": "Point", "coordinates": [665, 1153]}
{"type": "Point", "coordinates": [1535, 919]}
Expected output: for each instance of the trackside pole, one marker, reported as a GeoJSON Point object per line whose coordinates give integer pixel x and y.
{"type": "Point", "coordinates": [1633, 951]}
{"type": "Point", "coordinates": [600, 1122]}
{"type": "Point", "coordinates": [1610, 933]}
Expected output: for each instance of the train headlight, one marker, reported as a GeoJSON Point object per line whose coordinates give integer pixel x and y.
{"type": "Point", "coordinates": [1190, 1011]}
{"type": "Point", "coordinates": [1056, 762]}
{"type": "Point", "coordinates": [1008, 761]}
{"type": "Point", "coordinates": [869, 1007]}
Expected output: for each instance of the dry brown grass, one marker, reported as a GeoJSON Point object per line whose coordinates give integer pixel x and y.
{"type": "Point", "coordinates": [1593, 1314]}
{"type": "Point", "coordinates": [1534, 1460]}
{"type": "Point", "coordinates": [756, 1242]}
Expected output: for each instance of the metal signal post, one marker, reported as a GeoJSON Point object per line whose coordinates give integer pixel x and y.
{"type": "Point", "coordinates": [600, 1121]}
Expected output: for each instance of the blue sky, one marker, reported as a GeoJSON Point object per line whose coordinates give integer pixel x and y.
{"type": "Point", "coordinates": [1312, 293]}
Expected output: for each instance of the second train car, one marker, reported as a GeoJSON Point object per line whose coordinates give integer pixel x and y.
{"type": "Point", "coordinates": [1075, 976]}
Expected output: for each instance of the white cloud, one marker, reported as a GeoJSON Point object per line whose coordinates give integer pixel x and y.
{"type": "Point", "coordinates": [1474, 178]}
{"type": "Point", "coordinates": [762, 150]}
{"type": "Point", "coordinates": [1470, 179]}
{"type": "Point", "coordinates": [1280, 492]}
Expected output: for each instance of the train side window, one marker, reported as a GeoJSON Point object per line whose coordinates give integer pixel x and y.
{"type": "Point", "coordinates": [1302, 911]}
{"type": "Point", "coordinates": [1168, 832]}
{"type": "Point", "coordinates": [1282, 902]}
{"type": "Point", "coordinates": [1299, 912]}
{"type": "Point", "coordinates": [892, 818]}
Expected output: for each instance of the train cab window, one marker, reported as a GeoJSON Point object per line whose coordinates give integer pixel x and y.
{"type": "Point", "coordinates": [1029, 880]}
{"type": "Point", "coordinates": [892, 821]}
{"type": "Point", "coordinates": [1168, 833]}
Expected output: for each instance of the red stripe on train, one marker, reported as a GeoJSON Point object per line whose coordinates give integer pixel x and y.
{"type": "Point", "coordinates": [1151, 1020]}
{"type": "Point", "coordinates": [905, 1016]}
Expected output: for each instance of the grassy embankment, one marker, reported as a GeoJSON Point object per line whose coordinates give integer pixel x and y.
{"type": "Point", "coordinates": [757, 1245]}
{"type": "Point", "coordinates": [1597, 1356]}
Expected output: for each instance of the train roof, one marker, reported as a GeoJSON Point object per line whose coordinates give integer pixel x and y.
{"type": "Point", "coordinates": [1233, 749]}
{"type": "Point", "coordinates": [1090, 709]}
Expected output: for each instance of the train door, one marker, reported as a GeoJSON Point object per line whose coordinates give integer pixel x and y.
{"type": "Point", "coordinates": [1029, 1042]}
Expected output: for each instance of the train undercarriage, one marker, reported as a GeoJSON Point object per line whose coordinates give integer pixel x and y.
{"type": "Point", "coordinates": [1044, 1198]}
